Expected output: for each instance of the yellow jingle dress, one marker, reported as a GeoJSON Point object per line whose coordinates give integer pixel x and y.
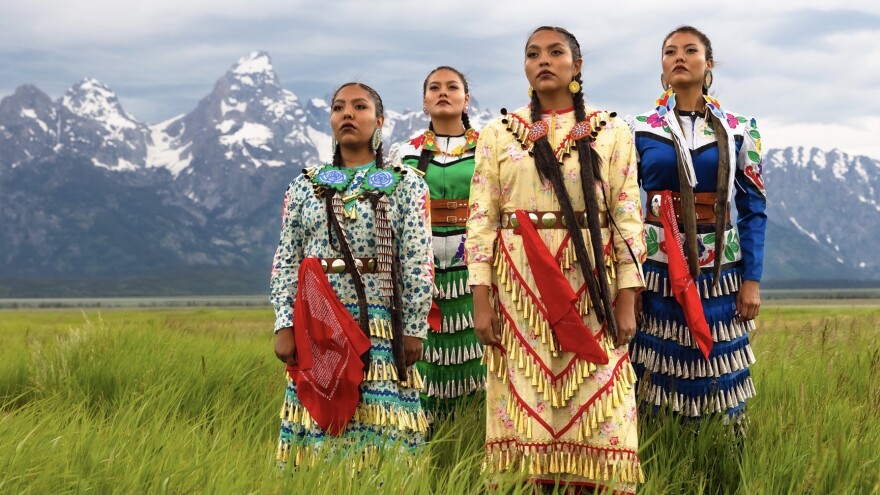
{"type": "Point", "coordinates": [548, 413]}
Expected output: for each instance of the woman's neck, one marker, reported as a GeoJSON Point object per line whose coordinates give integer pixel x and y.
{"type": "Point", "coordinates": [557, 100]}
{"type": "Point", "coordinates": [689, 98]}
{"type": "Point", "coordinates": [354, 157]}
{"type": "Point", "coordinates": [448, 127]}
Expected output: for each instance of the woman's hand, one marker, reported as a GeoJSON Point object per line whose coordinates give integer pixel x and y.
{"type": "Point", "coordinates": [625, 314]}
{"type": "Point", "coordinates": [748, 301]}
{"type": "Point", "coordinates": [285, 346]}
{"type": "Point", "coordinates": [486, 324]}
{"type": "Point", "coordinates": [412, 349]}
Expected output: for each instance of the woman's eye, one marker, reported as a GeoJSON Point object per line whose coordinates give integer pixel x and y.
{"type": "Point", "coordinates": [336, 108]}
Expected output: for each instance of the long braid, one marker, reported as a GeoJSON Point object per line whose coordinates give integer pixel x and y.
{"type": "Point", "coordinates": [465, 121]}
{"type": "Point", "coordinates": [549, 170]}
{"type": "Point", "coordinates": [426, 155]}
{"type": "Point", "coordinates": [688, 214]}
{"type": "Point", "coordinates": [591, 175]}
{"type": "Point", "coordinates": [359, 288]}
{"type": "Point", "coordinates": [722, 193]}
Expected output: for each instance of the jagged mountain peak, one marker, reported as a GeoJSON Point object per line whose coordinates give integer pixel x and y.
{"type": "Point", "coordinates": [254, 70]}
{"type": "Point", "coordinates": [91, 99]}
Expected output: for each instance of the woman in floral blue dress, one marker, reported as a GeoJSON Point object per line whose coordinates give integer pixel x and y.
{"type": "Point", "coordinates": [702, 275]}
{"type": "Point", "coordinates": [366, 226]}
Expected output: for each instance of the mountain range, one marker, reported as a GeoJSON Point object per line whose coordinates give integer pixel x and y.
{"type": "Point", "coordinates": [95, 202]}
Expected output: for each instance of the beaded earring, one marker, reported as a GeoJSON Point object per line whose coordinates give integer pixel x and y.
{"type": "Point", "coordinates": [376, 141]}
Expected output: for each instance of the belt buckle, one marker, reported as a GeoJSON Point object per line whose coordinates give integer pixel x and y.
{"type": "Point", "coordinates": [451, 219]}
{"type": "Point", "coordinates": [451, 205]}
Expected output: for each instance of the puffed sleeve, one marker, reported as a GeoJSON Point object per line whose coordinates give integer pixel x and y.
{"type": "Point", "coordinates": [288, 256]}
{"type": "Point", "coordinates": [751, 203]}
{"type": "Point", "coordinates": [484, 208]}
{"type": "Point", "coordinates": [416, 253]}
{"type": "Point", "coordinates": [626, 208]}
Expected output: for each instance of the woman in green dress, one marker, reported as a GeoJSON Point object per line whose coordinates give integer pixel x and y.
{"type": "Point", "coordinates": [444, 155]}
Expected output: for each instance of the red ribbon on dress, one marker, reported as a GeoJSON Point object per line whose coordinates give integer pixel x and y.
{"type": "Point", "coordinates": [683, 287]}
{"type": "Point", "coordinates": [328, 370]}
{"type": "Point", "coordinates": [558, 296]}
{"type": "Point", "coordinates": [435, 317]}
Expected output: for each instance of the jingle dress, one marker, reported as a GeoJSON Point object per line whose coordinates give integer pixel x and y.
{"type": "Point", "coordinates": [672, 371]}
{"type": "Point", "coordinates": [389, 407]}
{"type": "Point", "coordinates": [549, 413]}
{"type": "Point", "coordinates": [451, 367]}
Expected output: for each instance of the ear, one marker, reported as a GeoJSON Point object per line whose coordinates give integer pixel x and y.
{"type": "Point", "coordinates": [577, 66]}
{"type": "Point", "coordinates": [710, 64]}
{"type": "Point", "coordinates": [380, 121]}
{"type": "Point", "coordinates": [467, 100]}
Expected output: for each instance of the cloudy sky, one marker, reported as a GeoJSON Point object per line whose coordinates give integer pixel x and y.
{"type": "Point", "coordinates": [809, 71]}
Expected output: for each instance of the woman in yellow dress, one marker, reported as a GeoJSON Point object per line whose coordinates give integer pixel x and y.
{"type": "Point", "coordinates": [560, 398]}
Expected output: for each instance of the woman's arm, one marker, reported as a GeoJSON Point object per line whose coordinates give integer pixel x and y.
{"type": "Point", "coordinates": [751, 205]}
{"type": "Point", "coordinates": [285, 268]}
{"type": "Point", "coordinates": [627, 230]}
{"type": "Point", "coordinates": [482, 233]}
{"type": "Point", "coordinates": [415, 250]}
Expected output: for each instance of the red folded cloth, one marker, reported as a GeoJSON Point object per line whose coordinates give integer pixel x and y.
{"type": "Point", "coordinates": [683, 287]}
{"type": "Point", "coordinates": [558, 296]}
{"type": "Point", "coordinates": [329, 343]}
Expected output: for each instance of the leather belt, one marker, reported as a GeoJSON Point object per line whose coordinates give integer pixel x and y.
{"type": "Point", "coordinates": [549, 219]}
{"type": "Point", "coordinates": [449, 212]}
{"type": "Point", "coordinates": [704, 207]}
{"type": "Point", "coordinates": [337, 265]}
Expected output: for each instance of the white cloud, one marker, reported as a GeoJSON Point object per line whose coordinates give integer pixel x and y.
{"type": "Point", "coordinates": [800, 67]}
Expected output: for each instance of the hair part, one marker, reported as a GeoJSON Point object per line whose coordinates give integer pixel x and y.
{"type": "Point", "coordinates": [570, 39]}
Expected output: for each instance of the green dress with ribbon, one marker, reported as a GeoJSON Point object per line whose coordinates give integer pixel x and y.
{"type": "Point", "coordinates": [451, 369]}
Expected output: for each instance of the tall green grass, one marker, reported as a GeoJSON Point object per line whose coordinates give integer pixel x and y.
{"type": "Point", "coordinates": [186, 401]}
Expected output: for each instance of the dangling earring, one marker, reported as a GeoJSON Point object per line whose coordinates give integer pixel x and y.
{"type": "Point", "coordinates": [376, 141]}
{"type": "Point", "coordinates": [333, 145]}
{"type": "Point", "coordinates": [574, 87]}
{"type": "Point", "coordinates": [531, 91]}
{"type": "Point", "coordinates": [707, 79]}
{"type": "Point", "coordinates": [663, 83]}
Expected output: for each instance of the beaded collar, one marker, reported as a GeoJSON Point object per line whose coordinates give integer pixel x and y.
{"type": "Point", "coordinates": [427, 142]}
{"type": "Point", "coordinates": [377, 180]}
{"type": "Point", "coordinates": [526, 132]}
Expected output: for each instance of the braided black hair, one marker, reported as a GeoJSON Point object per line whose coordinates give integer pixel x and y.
{"type": "Point", "coordinates": [425, 156]}
{"type": "Point", "coordinates": [722, 191]}
{"type": "Point", "coordinates": [589, 160]}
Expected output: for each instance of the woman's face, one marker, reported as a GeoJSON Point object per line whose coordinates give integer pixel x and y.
{"type": "Point", "coordinates": [549, 64]}
{"type": "Point", "coordinates": [353, 116]}
{"type": "Point", "coordinates": [684, 60]}
{"type": "Point", "coordinates": [444, 95]}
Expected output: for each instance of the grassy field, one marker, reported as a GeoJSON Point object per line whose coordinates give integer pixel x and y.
{"type": "Point", "coordinates": [186, 401]}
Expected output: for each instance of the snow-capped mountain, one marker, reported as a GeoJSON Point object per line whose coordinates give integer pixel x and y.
{"type": "Point", "coordinates": [89, 191]}
{"type": "Point", "coordinates": [830, 198]}
{"type": "Point", "coordinates": [28, 126]}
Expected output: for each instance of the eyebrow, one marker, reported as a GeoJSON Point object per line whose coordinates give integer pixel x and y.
{"type": "Point", "coordinates": [687, 45]}
{"type": "Point", "coordinates": [356, 100]}
{"type": "Point", "coordinates": [551, 45]}
{"type": "Point", "coordinates": [451, 81]}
